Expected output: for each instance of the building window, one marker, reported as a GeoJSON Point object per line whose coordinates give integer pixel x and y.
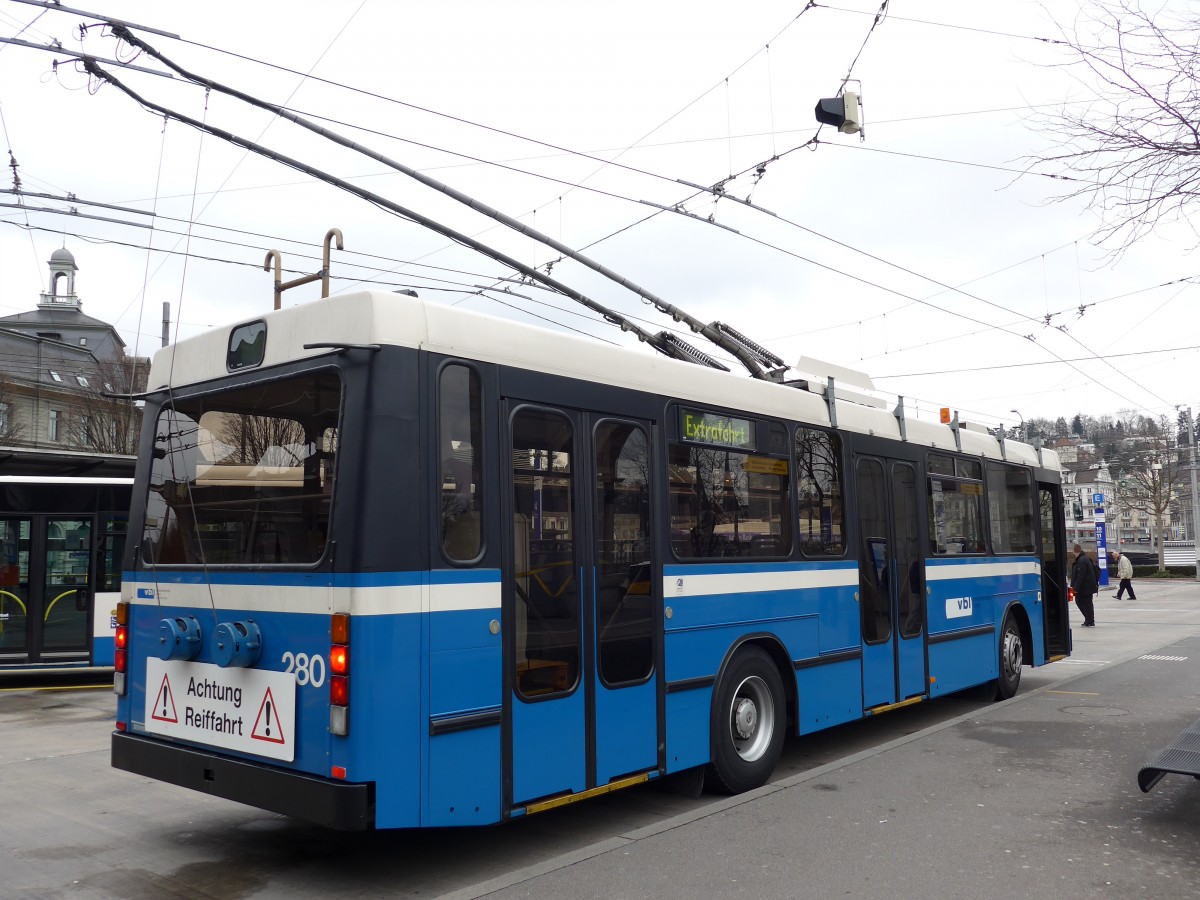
{"type": "Point", "coordinates": [83, 342]}
{"type": "Point", "coordinates": [54, 375]}
{"type": "Point", "coordinates": [83, 382]}
{"type": "Point", "coordinates": [52, 431]}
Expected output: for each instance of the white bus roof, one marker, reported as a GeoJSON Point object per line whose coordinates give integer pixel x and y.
{"type": "Point", "coordinates": [375, 317]}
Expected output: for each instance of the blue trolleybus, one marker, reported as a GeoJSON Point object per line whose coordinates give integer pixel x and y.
{"type": "Point", "coordinates": [395, 564]}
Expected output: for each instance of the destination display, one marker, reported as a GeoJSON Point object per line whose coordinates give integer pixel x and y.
{"type": "Point", "coordinates": [710, 428]}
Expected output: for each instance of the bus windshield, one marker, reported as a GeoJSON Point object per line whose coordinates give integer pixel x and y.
{"type": "Point", "coordinates": [245, 476]}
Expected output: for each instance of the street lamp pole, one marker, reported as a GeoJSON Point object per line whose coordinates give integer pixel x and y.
{"type": "Point", "coordinates": [1195, 506]}
{"type": "Point", "coordinates": [1022, 418]}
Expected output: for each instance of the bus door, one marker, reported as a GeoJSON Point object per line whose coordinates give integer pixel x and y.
{"type": "Point", "coordinates": [45, 599]}
{"type": "Point", "coordinates": [579, 603]}
{"type": "Point", "coordinates": [891, 580]}
{"type": "Point", "coordinates": [1054, 569]}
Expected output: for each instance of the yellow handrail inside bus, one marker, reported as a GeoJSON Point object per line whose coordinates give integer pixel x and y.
{"type": "Point", "coordinates": [46, 617]}
{"type": "Point", "coordinates": [536, 574]}
{"type": "Point", "coordinates": [15, 597]}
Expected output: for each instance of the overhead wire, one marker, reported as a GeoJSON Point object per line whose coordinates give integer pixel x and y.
{"type": "Point", "coordinates": [1027, 37]}
{"type": "Point", "coordinates": [1043, 362]}
{"type": "Point", "coordinates": [12, 160]}
{"type": "Point", "coordinates": [875, 22]}
{"type": "Point", "coordinates": [877, 19]}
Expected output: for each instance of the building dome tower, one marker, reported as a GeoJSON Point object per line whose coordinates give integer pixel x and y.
{"type": "Point", "coordinates": [62, 282]}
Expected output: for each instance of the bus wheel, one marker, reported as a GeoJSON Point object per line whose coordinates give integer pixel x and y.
{"type": "Point", "coordinates": [748, 722]}
{"type": "Point", "coordinates": [1011, 656]}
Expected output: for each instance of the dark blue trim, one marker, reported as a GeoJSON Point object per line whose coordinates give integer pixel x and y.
{"type": "Point", "coordinates": [690, 684]}
{"type": "Point", "coordinates": [480, 718]}
{"type": "Point", "coordinates": [826, 658]}
{"type": "Point", "coordinates": [944, 636]}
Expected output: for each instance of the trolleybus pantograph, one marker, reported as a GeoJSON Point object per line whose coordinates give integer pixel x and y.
{"type": "Point", "coordinates": [396, 564]}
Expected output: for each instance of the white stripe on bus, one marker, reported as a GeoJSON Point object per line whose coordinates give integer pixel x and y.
{"type": "Point", "coordinates": [980, 570]}
{"type": "Point", "coordinates": [363, 601]}
{"type": "Point", "coordinates": [698, 585]}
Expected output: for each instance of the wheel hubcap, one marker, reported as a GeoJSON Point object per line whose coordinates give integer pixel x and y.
{"type": "Point", "coordinates": [745, 717]}
{"type": "Point", "coordinates": [752, 718]}
{"type": "Point", "coordinates": [1012, 655]}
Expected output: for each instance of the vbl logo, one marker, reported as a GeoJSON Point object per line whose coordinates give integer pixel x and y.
{"type": "Point", "coordinates": [964, 604]}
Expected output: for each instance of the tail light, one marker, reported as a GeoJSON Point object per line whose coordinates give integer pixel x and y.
{"type": "Point", "coordinates": [121, 649]}
{"type": "Point", "coordinates": [339, 674]}
{"type": "Point", "coordinates": [1070, 595]}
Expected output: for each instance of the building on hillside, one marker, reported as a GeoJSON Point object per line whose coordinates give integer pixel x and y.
{"type": "Point", "coordinates": [1126, 526]}
{"type": "Point", "coordinates": [56, 364]}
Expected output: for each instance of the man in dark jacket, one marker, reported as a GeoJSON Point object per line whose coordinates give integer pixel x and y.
{"type": "Point", "coordinates": [1085, 583]}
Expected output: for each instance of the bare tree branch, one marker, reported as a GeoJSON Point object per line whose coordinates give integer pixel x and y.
{"type": "Point", "coordinates": [1133, 153]}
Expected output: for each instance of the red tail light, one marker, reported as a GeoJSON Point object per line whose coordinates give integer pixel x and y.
{"type": "Point", "coordinates": [339, 674]}
{"type": "Point", "coordinates": [339, 660]}
{"type": "Point", "coordinates": [1070, 595]}
{"type": "Point", "coordinates": [122, 637]}
{"type": "Point", "coordinates": [339, 690]}
{"type": "Point", "coordinates": [120, 660]}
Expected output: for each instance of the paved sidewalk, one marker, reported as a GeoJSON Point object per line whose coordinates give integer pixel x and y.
{"type": "Point", "coordinates": [1034, 795]}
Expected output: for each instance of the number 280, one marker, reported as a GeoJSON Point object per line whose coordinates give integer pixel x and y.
{"type": "Point", "coordinates": [308, 669]}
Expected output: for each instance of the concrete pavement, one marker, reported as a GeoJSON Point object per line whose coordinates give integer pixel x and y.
{"type": "Point", "coordinates": [1037, 794]}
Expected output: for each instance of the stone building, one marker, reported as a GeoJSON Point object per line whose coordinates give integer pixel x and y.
{"type": "Point", "coordinates": [56, 364]}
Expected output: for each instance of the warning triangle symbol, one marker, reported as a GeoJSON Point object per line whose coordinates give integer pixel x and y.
{"type": "Point", "coordinates": [164, 704]}
{"type": "Point", "coordinates": [267, 726]}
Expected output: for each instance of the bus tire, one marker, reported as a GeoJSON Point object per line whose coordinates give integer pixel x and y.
{"type": "Point", "coordinates": [1011, 656]}
{"type": "Point", "coordinates": [748, 722]}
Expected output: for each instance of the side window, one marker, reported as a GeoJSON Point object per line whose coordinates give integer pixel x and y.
{"type": "Point", "coordinates": [819, 492]}
{"type": "Point", "coordinates": [460, 431]}
{"type": "Point", "coordinates": [1010, 508]}
{"type": "Point", "coordinates": [727, 503]}
{"type": "Point", "coordinates": [955, 506]}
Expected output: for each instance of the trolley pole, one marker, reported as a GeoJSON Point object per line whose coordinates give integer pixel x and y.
{"type": "Point", "coordinates": [1195, 505]}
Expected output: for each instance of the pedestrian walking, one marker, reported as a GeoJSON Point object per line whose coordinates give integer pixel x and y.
{"type": "Point", "coordinates": [1125, 573]}
{"type": "Point", "coordinates": [1085, 581]}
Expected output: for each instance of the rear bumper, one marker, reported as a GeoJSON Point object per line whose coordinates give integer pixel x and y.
{"type": "Point", "coordinates": [335, 804]}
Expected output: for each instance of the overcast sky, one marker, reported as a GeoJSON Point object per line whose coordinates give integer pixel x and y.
{"type": "Point", "coordinates": [490, 97]}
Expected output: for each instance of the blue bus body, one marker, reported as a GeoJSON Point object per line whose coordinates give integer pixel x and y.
{"type": "Point", "coordinates": [554, 568]}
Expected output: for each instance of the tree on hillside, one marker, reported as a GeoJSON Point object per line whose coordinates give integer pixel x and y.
{"type": "Point", "coordinates": [1150, 475]}
{"type": "Point", "coordinates": [1077, 425]}
{"type": "Point", "coordinates": [1040, 429]}
{"type": "Point", "coordinates": [1131, 151]}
